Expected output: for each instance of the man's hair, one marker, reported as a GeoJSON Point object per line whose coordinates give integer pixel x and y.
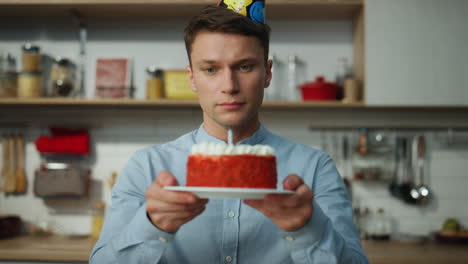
{"type": "Point", "coordinates": [223, 20]}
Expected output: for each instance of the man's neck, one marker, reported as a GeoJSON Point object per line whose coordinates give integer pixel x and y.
{"type": "Point", "coordinates": [238, 132]}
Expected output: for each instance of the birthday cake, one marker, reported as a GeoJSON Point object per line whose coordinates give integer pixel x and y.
{"type": "Point", "coordinates": [235, 166]}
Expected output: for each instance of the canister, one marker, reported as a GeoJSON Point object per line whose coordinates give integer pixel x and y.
{"type": "Point", "coordinates": [154, 83]}
{"type": "Point", "coordinates": [31, 58]}
{"type": "Point", "coordinates": [30, 84]}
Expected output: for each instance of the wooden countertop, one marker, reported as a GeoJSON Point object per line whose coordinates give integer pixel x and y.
{"type": "Point", "coordinates": [52, 248]}
{"type": "Point", "coordinates": [390, 252]}
{"type": "Point", "coordinates": [68, 249]}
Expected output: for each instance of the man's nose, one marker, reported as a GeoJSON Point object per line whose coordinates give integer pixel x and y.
{"type": "Point", "coordinates": [230, 83]}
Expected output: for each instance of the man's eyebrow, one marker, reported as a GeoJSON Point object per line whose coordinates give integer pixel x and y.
{"type": "Point", "coordinates": [241, 61]}
{"type": "Point", "coordinates": [247, 60]}
{"type": "Point", "coordinates": [207, 62]}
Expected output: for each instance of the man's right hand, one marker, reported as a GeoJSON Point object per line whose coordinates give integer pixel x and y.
{"type": "Point", "coordinates": [169, 210]}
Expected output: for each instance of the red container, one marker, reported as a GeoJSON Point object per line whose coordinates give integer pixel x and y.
{"type": "Point", "coordinates": [319, 90]}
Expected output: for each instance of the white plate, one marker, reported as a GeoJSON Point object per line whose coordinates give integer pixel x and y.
{"type": "Point", "coordinates": [221, 193]}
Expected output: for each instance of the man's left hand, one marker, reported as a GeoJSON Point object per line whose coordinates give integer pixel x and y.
{"type": "Point", "coordinates": [289, 212]}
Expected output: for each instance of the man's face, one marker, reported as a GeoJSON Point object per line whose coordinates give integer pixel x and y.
{"type": "Point", "coordinates": [229, 75]}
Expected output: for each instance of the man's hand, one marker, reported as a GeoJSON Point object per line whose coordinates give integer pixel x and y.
{"type": "Point", "coordinates": [169, 210]}
{"type": "Point", "coordinates": [289, 212]}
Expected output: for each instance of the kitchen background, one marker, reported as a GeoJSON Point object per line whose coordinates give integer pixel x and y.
{"type": "Point", "coordinates": [319, 45]}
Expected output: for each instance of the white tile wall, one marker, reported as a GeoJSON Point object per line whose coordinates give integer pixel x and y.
{"type": "Point", "coordinates": [113, 146]}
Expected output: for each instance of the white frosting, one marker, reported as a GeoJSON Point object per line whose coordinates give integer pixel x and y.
{"type": "Point", "coordinates": [221, 148]}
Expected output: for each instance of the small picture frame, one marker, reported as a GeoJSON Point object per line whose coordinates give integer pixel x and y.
{"type": "Point", "coordinates": [113, 78]}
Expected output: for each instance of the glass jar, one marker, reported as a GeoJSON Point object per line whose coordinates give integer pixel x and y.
{"type": "Point", "coordinates": [8, 84]}
{"type": "Point", "coordinates": [30, 84]}
{"type": "Point", "coordinates": [7, 63]}
{"type": "Point", "coordinates": [31, 58]}
{"type": "Point", "coordinates": [62, 77]}
{"type": "Point", "coordinates": [154, 83]}
{"type": "Point", "coordinates": [381, 227]}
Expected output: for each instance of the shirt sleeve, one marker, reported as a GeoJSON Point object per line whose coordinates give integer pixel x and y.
{"type": "Point", "coordinates": [329, 236]}
{"type": "Point", "coordinates": [128, 236]}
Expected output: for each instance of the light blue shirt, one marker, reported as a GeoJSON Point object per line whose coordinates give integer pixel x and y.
{"type": "Point", "coordinates": [229, 231]}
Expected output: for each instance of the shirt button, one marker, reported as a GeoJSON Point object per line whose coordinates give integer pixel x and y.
{"type": "Point", "coordinates": [289, 238]}
{"type": "Point", "coordinates": [228, 259]}
{"type": "Point", "coordinates": [163, 239]}
{"type": "Point", "coordinates": [231, 214]}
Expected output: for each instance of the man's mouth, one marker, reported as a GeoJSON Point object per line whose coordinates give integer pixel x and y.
{"type": "Point", "coordinates": [231, 105]}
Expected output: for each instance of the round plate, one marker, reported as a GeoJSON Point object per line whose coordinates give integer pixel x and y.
{"type": "Point", "coordinates": [222, 193]}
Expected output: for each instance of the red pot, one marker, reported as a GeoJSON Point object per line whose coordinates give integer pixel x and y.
{"type": "Point", "coordinates": [319, 90]}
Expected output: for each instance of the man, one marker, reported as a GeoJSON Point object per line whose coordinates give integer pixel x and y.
{"type": "Point", "coordinates": [149, 224]}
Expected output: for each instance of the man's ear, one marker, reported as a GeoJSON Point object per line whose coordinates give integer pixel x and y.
{"type": "Point", "coordinates": [268, 73]}
{"type": "Point", "coordinates": [191, 82]}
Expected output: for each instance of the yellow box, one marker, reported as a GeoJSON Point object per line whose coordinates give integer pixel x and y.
{"type": "Point", "coordinates": [176, 85]}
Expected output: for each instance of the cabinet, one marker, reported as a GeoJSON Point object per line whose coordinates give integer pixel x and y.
{"type": "Point", "coordinates": [416, 52]}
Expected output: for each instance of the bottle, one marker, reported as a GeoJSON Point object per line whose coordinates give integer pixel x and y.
{"type": "Point", "coordinates": [154, 83]}
{"type": "Point", "coordinates": [292, 91]}
{"type": "Point", "coordinates": [97, 220]}
{"type": "Point", "coordinates": [343, 73]}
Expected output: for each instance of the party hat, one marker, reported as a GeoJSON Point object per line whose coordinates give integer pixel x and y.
{"type": "Point", "coordinates": [253, 9]}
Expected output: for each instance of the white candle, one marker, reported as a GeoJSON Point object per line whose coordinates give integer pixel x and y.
{"type": "Point", "coordinates": [230, 136]}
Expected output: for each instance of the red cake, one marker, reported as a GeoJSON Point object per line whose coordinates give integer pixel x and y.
{"type": "Point", "coordinates": [221, 165]}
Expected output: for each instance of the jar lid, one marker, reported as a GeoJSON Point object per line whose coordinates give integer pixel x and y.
{"type": "Point", "coordinates": [28, 47]}
{"type": "Point", "coordinates": [153, 71]}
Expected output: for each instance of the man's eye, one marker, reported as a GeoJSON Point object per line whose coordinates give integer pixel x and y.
{"type": "Point", "coordinates": [245, 68]}
{"type": "Point", "coordinates": [210, 70]}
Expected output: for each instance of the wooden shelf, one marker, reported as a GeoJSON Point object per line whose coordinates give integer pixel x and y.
{"type": "Point", "coordinates": [189, 103]}
{"type": "Point", "coordinates": [294, 9]}
{"type": "Point", "coordinates": [160, 103]}
{"type": "Point", "coordinates": [16, 112]}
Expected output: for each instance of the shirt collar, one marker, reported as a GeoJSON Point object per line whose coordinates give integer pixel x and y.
{"type": "Point", "coordinates": [201, 136]}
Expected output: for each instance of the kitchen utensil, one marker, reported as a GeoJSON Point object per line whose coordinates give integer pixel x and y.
{"type": "Point", "coordinates": [20, 173]}
{"type": "Point", "coordinates": [345, 166]}
{"type": "Point", "coordinates": [407, 178]}
{"type": "Point", "coordinates": [10, 182]}
{"type": "Point", "coordinates": [319, 90]}
{"type": "Point", "coordinates": [69, 182]}
{"type": "Point", "coordinates": [5, 163]}
{"type": "Point", "coordinates": [398, 175]}
{"type": "Point", "coordinates": [421, 192]}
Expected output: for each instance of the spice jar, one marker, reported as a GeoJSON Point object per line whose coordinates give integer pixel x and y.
{"type": "Point", "coordinates": [31, 58]}
{"type": "Point", "coordinates": [154, 84]}
{"type": "Point", "coordinates": [61, 77]}
{"type": "Point", "coordinates": [30, 84]}
{"type": "Point", "coordinates": [98, 212]}
{"type": "Point", "coordinates": [8, 84]}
